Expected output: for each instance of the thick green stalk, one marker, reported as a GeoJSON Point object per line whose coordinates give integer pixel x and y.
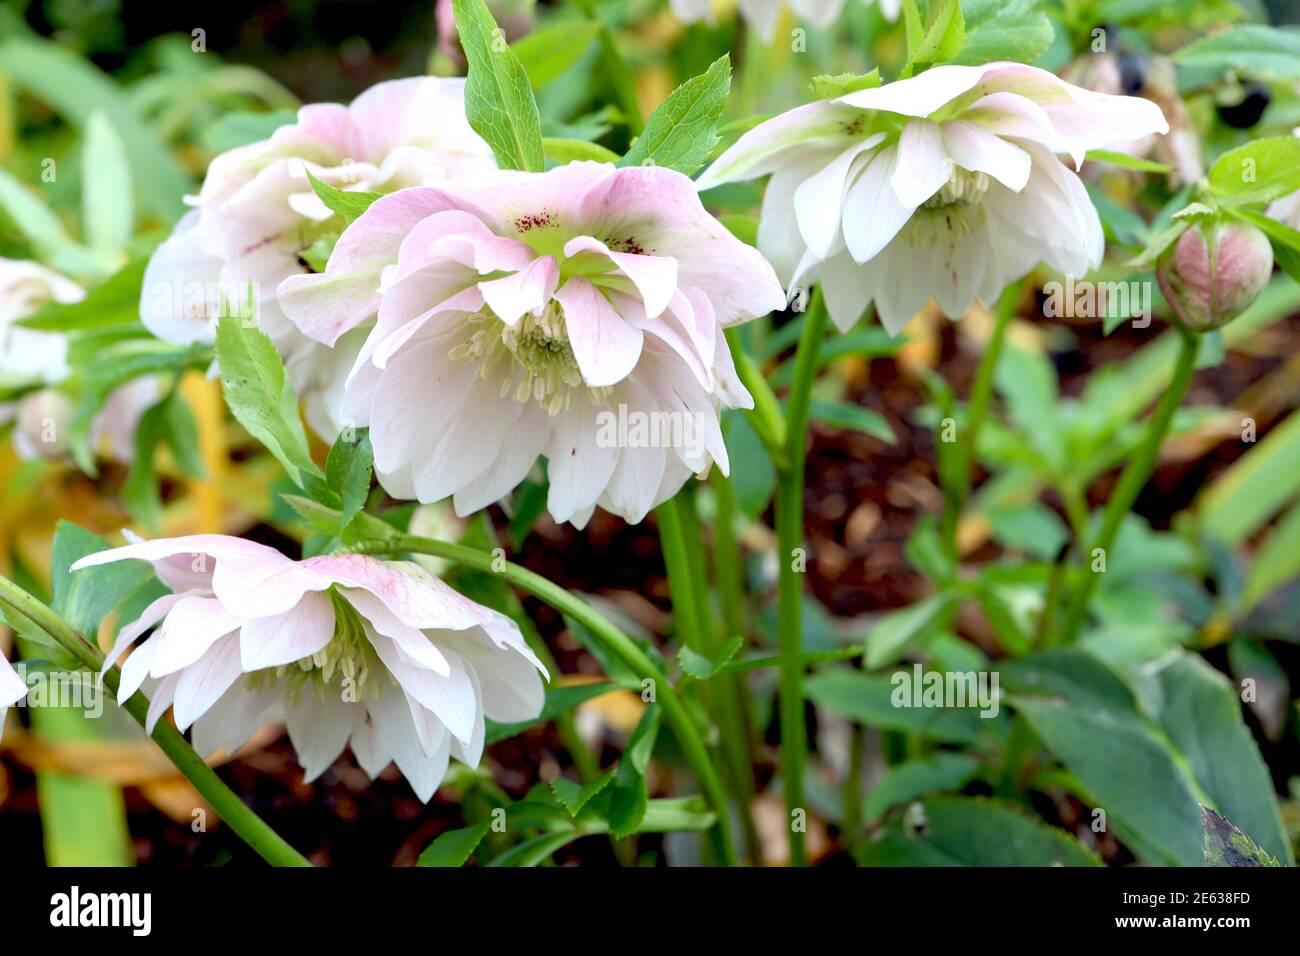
{"type": "Point", "coordinates": [1135, 475]}
{"type": "Point", "coordinates": [248, 825]}
{"type": "Point", "coordinates": [976, 411]}
{"type": "Point", "coordinates": [723, 690]}
{"type": "Point", "coordinates": [789, 534]}
{"type": "Point", "coordinates": [688, 736]}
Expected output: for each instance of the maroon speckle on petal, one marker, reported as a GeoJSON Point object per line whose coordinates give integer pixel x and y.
{"type": "Point", "coordinates": [538, 220]}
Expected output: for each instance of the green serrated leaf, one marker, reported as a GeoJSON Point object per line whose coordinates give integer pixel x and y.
{"type": "Point", "coordinates": [1224, 845]}
{"type": "Point", "coordinates": [348, 470]}
{"type": "Point", "coordinates": [499, 102]}
{"type": "Point", "coordinates": [350, 205]}
{"type": "Point", "coordinates": [828, 87]}
{"type": "Point", "coordinates": [574, 796]}
{"type": "Point", "coordinates": [260, 395]}
{"type": "Point", "coordinates": [701, 667]}
{"type": "Point", "coordinates": [682, 132]}
{"type": "Point", "coordinates": [454, 847]}
{"type": "Point", "coordinates": [1257, 172]}
{"type": "Point", "coordinates": [84, 598]}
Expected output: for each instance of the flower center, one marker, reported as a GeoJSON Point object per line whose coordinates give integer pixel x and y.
{"type": "Point", "coordinates": [348, 657]}
{"type": "Point", "coordinates": [533, 359]}
{"type": "Point", "coordinates": [950, 213]}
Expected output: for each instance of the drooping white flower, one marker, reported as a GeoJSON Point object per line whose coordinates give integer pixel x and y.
{"type": "Point", "coordinates": [12, 689]}
{"type": "Point", "coordinates": [344, 648]}
{"type": "Point", "coordinates": [257, 213]}
{"type": "Point", "coordinates": [533, 314]}
{"type": "Point", "coordinates": [42, 417]}
{"type": "Point", "coordinates": [946, 184]}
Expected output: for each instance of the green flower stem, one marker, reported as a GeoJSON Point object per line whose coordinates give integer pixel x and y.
{"type": "Point", "coordinates": [248, 825]}
{"type": "Point", "coordinates": [1134, 476]}
{"type": "Point", "coordinates": [766, 416]}
{"type": "Point", "coordinates": [688, 737]}
{"type": "Point", "coordinates": [976, 411]}
{"type": "Point", "coordinates": [789, 534]}
{"type": "Point", "coordinates": [723, 690]}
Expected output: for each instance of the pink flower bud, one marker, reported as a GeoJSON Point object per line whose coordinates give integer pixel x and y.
{"type": "Point", "coordinates": [1210, 277]}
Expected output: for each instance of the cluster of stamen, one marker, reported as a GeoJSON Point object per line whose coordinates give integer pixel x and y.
{"type": "Point", "coordinates": [348, 658]}
{"type": "Point", "coordinates": [533, 358]}
{"type": "Point", "coordinates": [950, 213]}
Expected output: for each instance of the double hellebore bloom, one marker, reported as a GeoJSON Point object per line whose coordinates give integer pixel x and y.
{"type": "Point", "coordinates": [946, 184]}
{"type": "Point", "coordinates": [344, 648]}
{"type": "Point", "coordinates": [257, 215]}
{"type": "Point", "coordinates": [521, 314]}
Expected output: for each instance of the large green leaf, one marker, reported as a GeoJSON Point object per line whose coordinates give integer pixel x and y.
{"type": "Point", "coordinates": [1129, 769]}
{"type": "Point", "coordinates": [260, 395]}
{"type": "Point", "coordinates": [1253, 48]}
{"type": "Point", "coordinates": [916, 778]}
{"type": "Point", "coordinates": [498, 100]}
{"type": "Point", "coordinates": [1255, 487]}
{"type": "Point", "coordinates": [1225, 845]}
{"type": "Point", "coordinates": [1202, 716]}
{"type": "Point", "coordinates": [973, 831]}
{"type": "Point", "coordinates": [1257, 172]}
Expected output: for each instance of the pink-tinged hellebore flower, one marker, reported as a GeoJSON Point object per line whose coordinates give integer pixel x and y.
{"type": "Point", "coordinates": [344, 648]}
{"type": "Point", "coordinates": [257, 214]}
{"type": "Point", "coordinates": [1210, 276]}
{"type": "Point", "coordinates": [42, 417]}
{"type": "Point", "coordinates": [12, 689]}
{"type": "Point", "coordinates": [531, 314]}
{"type": "Point", "coordinates": [946, 184]}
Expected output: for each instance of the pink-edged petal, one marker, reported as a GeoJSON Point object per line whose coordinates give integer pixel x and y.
{"type": "Point", "coordinates": [765, 147]}
{"type": "Point", "coordinates": [415, 596]}
{"type": "Point", "coordinates": [978, 150]}
{"type": "Point", "coordinates": [201, 684]}
{"type": "Point", "coordinates": [298, 633]}
{"type": "Point", "coordinates": [264, 585]}
{"type": "Point", "coordinates": [327, 305]}
{"type": "Point", "coordinates": [528, 290]}
{"type": "Point", "coordinates": [450, 698]}
{"type": "Point", "coordinates": [923, 165]}
{"type": "Point", "coordinates": [655, 277]}
{"type": "Point", "coordinates": [130, 633]}
{"type": "Point", "coordinates": [193, 625]}
{"type": "Point", "coordinates": [919, 95]}
{"type": "Point", "coordinates": [395, 732]}
{"type": "Point", "coordinates": [412, 641]}
{"type": "Point", "coordinates": [605, 347]}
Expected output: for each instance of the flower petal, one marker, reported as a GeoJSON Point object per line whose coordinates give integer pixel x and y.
{"type": "Point", "coordinates": [605, 347]}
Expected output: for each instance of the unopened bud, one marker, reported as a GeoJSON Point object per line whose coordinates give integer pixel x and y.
{"type": "Point", "coordinates": [1211, 275]}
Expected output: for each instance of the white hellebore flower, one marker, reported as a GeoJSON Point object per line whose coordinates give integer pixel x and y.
{"type": "Point", "coordinates": [257, 213]}
{"type": "Point", "coordinates": [344, 648]}
{"type": "Point", "coordinates": [946, 184]}
{"type": "Point", "coordinates": [531, 314]}
{"type": "Point", "coordinates": [764, 15]}
{"type": "Point", "coordinates": [38, 358]}
{"type": "Point", "coordinates": [12, 689]}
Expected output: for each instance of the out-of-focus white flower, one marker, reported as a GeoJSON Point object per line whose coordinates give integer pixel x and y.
{"type": "Point", "coordinates": [12, 689]}
{"type": "Point", "coordinates": [532, 314]}
{"type": "Point", "coordinates": [32, 357]}
{"type": "Point", "coordinates": [1152, 77]}
{"type": "Point", "coordinates": [763, 15]}
{"type": "Point", "coordinates": [344, 648]}
{"type": "Point", "coordinates": [946, 184]}
{"type": "Point", "coordinates": [257, 213]}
